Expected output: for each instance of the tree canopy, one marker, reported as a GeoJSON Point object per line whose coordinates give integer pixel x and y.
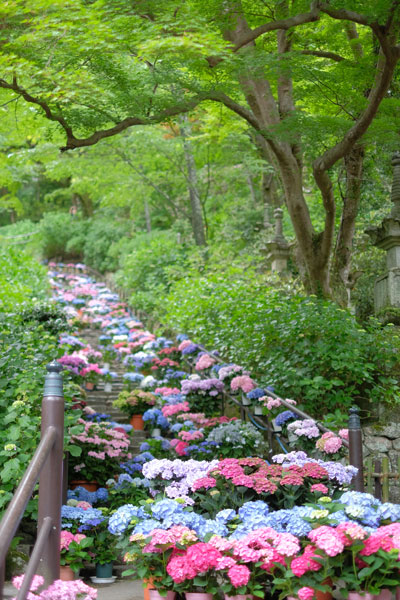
{"type": "Point", "coordinates": [315, 85]}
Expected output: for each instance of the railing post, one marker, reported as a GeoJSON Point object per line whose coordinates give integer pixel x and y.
{"type": "Point", "coordinates": [355, 448]}
{"type": "Point", "coordinates": [51, 478]}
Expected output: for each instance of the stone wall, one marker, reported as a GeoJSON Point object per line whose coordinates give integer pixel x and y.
{"type": "Point", "coordinates": [381, 441]}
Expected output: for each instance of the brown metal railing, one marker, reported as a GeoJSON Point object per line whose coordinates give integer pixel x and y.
{"type": "Point", "coordinates": [46, 465]}
{"type": "Point", "coordinates": [355, 433]}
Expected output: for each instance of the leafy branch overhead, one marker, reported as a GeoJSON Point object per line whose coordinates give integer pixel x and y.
{"type": "Point", "coordinates": [309, 79]}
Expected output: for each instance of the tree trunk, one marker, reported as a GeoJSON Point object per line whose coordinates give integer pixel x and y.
{"type": "Point", "coordinates": [147, 216]}
{"type": "Point", "coordinates": [353, 162]}
{"type": "Point", "coordinates": [87, 204]}
{"type": "Point", "coordinates": [195, 202]}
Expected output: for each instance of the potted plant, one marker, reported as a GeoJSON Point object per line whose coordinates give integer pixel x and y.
{"type": "Point", "coordinates": [155, 420]}
{"type": "Point", "coordinates": [91, 374]}
{"type": "Point", "coordinates": [103, 547]}
{"type": "Point", "coordinates": [108, 377]}
{"type": "Point", "coordinates": [135, 404]}
{"type": "Point", "coordinates": [96, 453]}
{"type": "Point", "coordinates": [74, 551]}
{"type": "Point", "coordinates": [149, 556]}
{"type": "Point", "coordinates": [204, 395]}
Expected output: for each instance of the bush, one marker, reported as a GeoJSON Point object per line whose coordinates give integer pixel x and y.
{"type": "Point", "coordinates": [56, 229]}
{"type": "Point", "coordinates": [22, 279]}
{"type": "Point", "coordinates": [307, 348]}
{"type": "Point", "coordinates": [101, 234]}
{"type": "Point", "coordinates": [148, 265]}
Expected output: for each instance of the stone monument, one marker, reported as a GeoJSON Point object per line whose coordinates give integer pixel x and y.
{"type": "Point", "coordinates": [277, 249]}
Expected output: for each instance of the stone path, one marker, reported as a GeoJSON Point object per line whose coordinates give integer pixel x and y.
{"type": "Point", "coordinates": [101, 401]}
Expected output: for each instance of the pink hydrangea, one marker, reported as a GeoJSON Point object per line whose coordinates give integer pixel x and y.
{"type": "Point", "coordinates": [205, 361]}
{"type": "Point", "coordinates": [239, 575]}
{"type": "Point", "coordinates": [188, 436]}
{"type": "Point", "coordinates": [204, 483]}
{"type": "Point", "coordinates": [242, 382]}
{"type": "Point", "coordinates": [344, 434]}
{"type": "Point", "coordinates": [172, 409]}
{"type": "Point", "coordinates": [319, 487]}
{"type": "Point", "coordinates": [166, 391]}
{"type": "Point", "coordinates": [184, 344]}
{"type": "Point", "coordinates": [84, 505]}
{"type": "Point", "coordinates": [305, 593]}
{"type": "Point", "coordinates": [329, 539]}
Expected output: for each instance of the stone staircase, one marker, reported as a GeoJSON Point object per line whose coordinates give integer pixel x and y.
{"type": "Point", "coordinates": [101, 401]}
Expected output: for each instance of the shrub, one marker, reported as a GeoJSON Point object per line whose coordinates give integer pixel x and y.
{"type": "Point", "coordinates": [21, 278]}
{"type": "Point", "coordinates": [308, 349]}
{"type": "Point", "coordinates": [148, 265]}
{"type": "Point", "coordinates": [100, 235]}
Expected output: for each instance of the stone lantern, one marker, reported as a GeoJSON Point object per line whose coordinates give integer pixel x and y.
{"type": "Point", "coordinates": [387, 237]}
{"type": "Point", "coordinates": [277, 249]}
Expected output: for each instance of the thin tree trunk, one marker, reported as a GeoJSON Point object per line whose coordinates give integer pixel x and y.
{"type": "Point", "coordinates": [253, 194]}
{"type": "Point", "coordinates": [195, 202]}
{"type": "Point", "coordinates": [147, 216]}
{"type": "Point", "coordinates": [353, 162]}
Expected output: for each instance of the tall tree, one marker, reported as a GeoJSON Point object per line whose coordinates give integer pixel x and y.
{"type": "Point", "coordinates": [287, 68]}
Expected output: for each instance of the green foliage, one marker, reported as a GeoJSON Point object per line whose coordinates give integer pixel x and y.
{"type": "Point", "coordinates": [56, 229]}
{"type": "Point", "coordinates": [28, 341]}
{"type": "Point", "coordinates": [70, 237]}
{"type": "Point", "coordinates": [22, 279]}
{"type": "Point", "coordinates": [308, 349]}
{"type": "Point", "coordinates": [100, 236]}
{"type": "Point", "coordinates": [148, 263]}
{"type": "Point", "coordinates": [52, 317]}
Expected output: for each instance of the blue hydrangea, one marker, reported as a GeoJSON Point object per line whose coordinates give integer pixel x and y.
{"type": "Point", "coordinates": [119, 521]}
{"type": "Point", "coordinates": [165, 508]}
{"type": "Point", "coordinates": [74, 514]}
{"type": "Point", "coordinates": [145, 527]}
{"type": "Point", "coordinates": [298, 526]}
{"type": "Point", "coordinates": [389, 511]}
{"type": "Point", "coordinates": [228, 514]}
{"type": "Point", "coordinates": [142, 458]}
{"type": "Point", "coordinates": [256, 393]}
{"type": "Point", "coordinates": [284, 416]}
{"type": "Point", "coordinates": [249, 509]}
{"type": "Point", "coordinates": [144, 447]}
{"type": "Point", "coordinates": [176, 427]}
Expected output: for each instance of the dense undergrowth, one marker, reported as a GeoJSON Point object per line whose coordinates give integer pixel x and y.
{"type": "Point", "coordinates": [29, 328]}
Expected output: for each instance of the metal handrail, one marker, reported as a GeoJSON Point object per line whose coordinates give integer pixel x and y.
{"type": "Point", "coordinates": [46, 465]}
{"type": "Point", "coordinates": [294, 409]}
{"type": "Point", "coordinates": [35, 557]}
{"type": "Point", "coordinates": [16, 508]}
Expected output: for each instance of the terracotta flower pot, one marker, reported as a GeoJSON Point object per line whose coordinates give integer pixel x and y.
{"type": "Point", "coordinates": [90, 486]}
{"type": "Point", "coordinates": [66, 573]}
{"type": "Point", "coordinates": [198, 596]}
{"type": "Point", "coordinates": [149, 586]}
{"type": "Point", "coordinates": [89, 386]}
{"type": "Point", "coordinates": [155, 595]}
{"type": "Point", "coordinates": [137, 422]}
{"type": "Point", "coordinates": [240, 597]}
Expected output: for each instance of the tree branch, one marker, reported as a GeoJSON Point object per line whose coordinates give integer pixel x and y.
{"type": "Point", "coordinates": [287, 23]}
{"type": "Point", "coordinates": [323, 54]}
{"type": "Point", "coordinates": [43, 105]}
{"type": "Point", "coordinates": [74, 142]}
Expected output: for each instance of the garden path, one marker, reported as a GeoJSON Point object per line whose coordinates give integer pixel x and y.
{"type": "Point", "coordinates": [101, 401]}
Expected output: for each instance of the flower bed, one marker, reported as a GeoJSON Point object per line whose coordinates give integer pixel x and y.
{"type": "Point", "coordinates": [228, 520]}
